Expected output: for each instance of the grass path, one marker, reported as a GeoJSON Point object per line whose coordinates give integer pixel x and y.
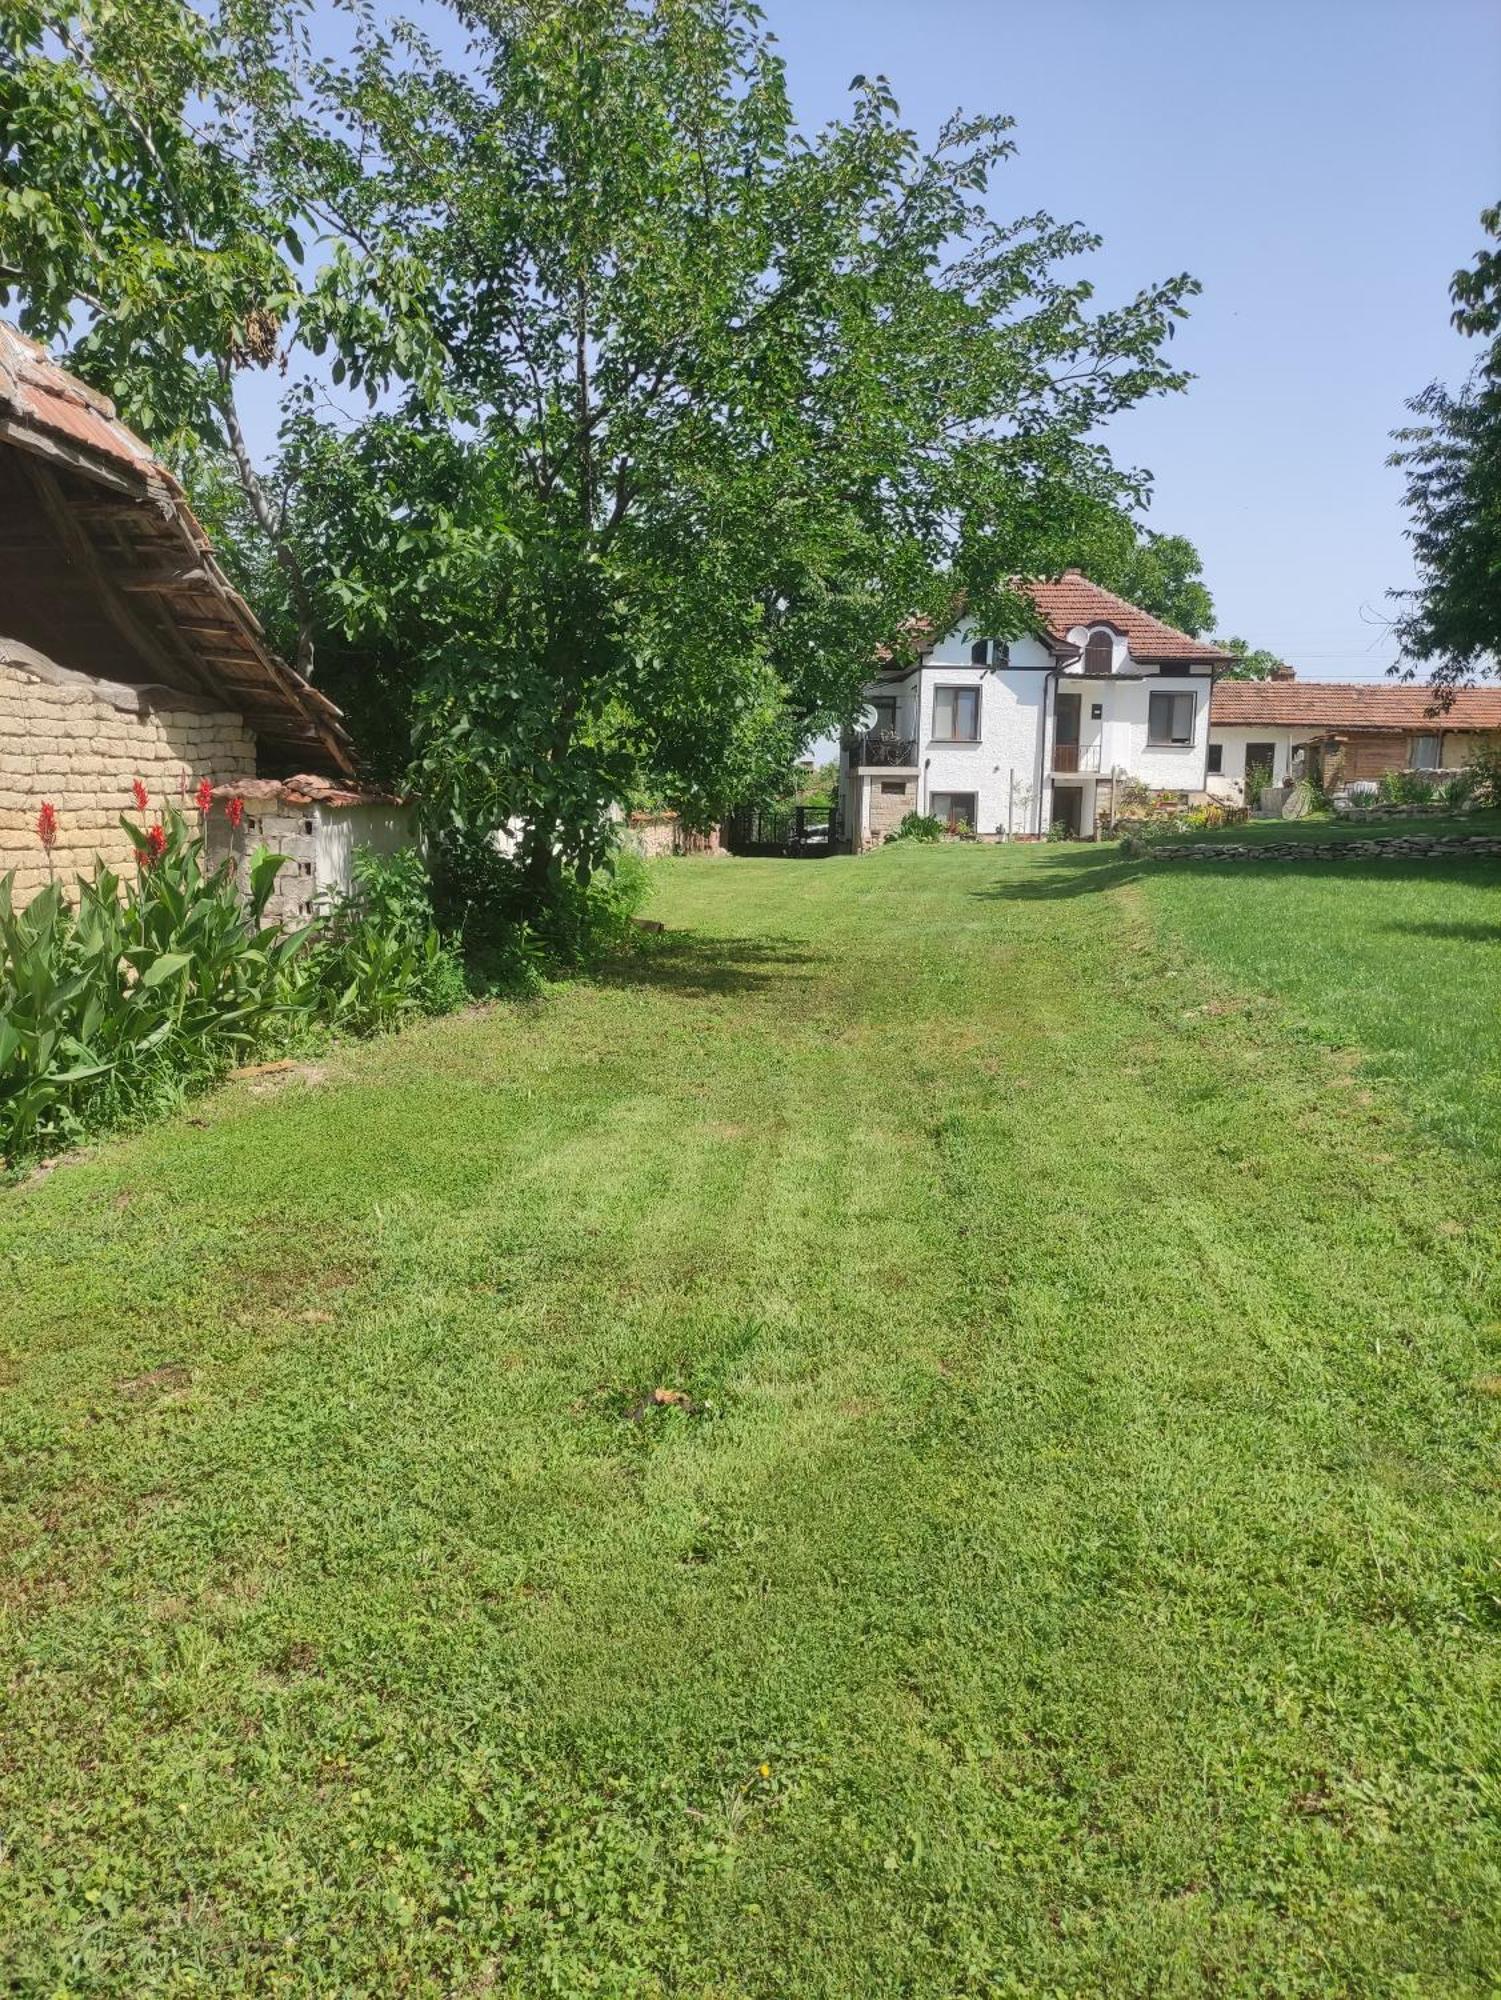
{"type": "Point", "coordinates": [1072, 1569]}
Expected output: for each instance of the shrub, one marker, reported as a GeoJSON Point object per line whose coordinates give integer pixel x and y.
{"type": "Point", "coordinates": [142, 988]}
{"type": "Point", "coordinates": [1404, 788]}
{"type": "Point", "coordinates": [379, 955]}
{"type": "Point", "coordinates": [918, 826]}
{"type": "Point", "coordinates": [1485, 779]}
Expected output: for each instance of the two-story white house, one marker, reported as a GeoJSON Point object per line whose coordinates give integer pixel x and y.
{"type": "Point", "coordinates": [1010, 739]}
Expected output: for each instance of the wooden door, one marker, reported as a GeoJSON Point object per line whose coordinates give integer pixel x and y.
{"type": "Point", "coordinates": [1066, 733]}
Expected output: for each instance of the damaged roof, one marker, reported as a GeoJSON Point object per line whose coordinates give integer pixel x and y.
{"type": "Point", "coordinates": [126, 529]}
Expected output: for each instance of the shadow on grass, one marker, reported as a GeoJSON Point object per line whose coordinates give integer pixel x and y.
{"type": "Point", "coordinates": [685, 963]}
{"type": "Point", "coordinates": [1074, 871]}
{"type": "Point", "coordinates": [1456, 932]}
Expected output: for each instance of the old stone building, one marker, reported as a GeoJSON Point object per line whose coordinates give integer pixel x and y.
{"type": "Point", "coordinates": [125, 653]}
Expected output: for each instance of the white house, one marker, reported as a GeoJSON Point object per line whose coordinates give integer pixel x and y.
{"type": "Point", "coordinates": [1011, 739]}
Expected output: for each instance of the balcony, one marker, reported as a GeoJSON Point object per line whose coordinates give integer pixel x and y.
{"type": "Point", "coordinates": [882, 748]}
{"type": "Point", "coordinates": [1069, 758]}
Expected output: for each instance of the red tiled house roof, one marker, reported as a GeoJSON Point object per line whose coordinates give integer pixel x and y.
{"type": "Point", "coordinates": [129, 522]}
{"type": "Point", "coordinates": [1073, 600]}
{"type": "Point", "coordinates": [1338, 707]}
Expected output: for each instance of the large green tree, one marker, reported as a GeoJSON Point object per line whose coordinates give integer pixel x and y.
{"type": "Point", "coordinates": [1451, 459]}
{"type": "Point", "coordinates": [692, 408]}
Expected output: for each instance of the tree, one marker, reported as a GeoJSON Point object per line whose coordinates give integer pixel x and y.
{"type": "Point", "coordinates": [1163, 574]}
{"type": "Point", "coordinates": [695, 409]}
{"type": "Point", "coordinates": [158, 168]}
{"type": "Point", "coordinates": [1252, 663]}
{"type": "Point", "coordinates": [1451, 460]}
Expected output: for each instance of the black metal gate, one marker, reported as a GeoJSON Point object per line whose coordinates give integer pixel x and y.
{"type": "Point", "coordinates": [804, 831]}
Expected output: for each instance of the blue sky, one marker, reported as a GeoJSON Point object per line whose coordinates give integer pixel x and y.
{"type": "Point", "coordinates": [1320, 167]}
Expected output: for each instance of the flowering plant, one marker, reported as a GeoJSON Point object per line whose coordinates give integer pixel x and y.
{"type": "Point", "coordinates": [46, 825]}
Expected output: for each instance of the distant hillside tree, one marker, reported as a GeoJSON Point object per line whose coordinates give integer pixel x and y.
{"type": "Point", "coordinates": [1253, 663]}
{"type": "Point", "coordinates": [1450, 626]}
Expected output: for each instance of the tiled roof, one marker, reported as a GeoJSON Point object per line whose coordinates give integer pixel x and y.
{"type": "Point", "coordinates": [305, 790]}
{"type": "Point", "coordinates": [1344, 705]}
{"type": "Point", "coordinates": [147, 539]}
{"type": "Point", "coordinates": [1073, 600]}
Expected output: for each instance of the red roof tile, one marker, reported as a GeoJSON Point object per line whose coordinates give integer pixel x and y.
{"type": "Point", "coordinates": [1073, 601]}
{"type": "Point", "coordinates": [34, 389]}
{"type": "Point", "coordinates": [1346, 705]}
{"type": "Point", "coordinates": [46, 411]}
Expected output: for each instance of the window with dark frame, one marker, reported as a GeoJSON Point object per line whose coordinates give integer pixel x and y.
{"type": "Point", "coordinates": [979, 653]}
{"type": "Point", "coordinates": [1216, 759]}
{"type": "Point", "coordinates": [956, 715]}
{"type": "Point", "coordinates": [955, 809]}
{"type": "Point", "coordinates": [1170, 719]}
{"type": "Point", "coordinates": [1099, 653]}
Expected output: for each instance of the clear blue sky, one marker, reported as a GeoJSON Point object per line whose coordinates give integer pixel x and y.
{"type": "Point", "coordinates": [1319, 167]}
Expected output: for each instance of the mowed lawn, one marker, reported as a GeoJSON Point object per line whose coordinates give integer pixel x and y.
{"type": "Point", "coordinates": [1061, 1561]}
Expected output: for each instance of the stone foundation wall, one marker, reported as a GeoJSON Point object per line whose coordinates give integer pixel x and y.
{"type": "Point", "coordinates": [78, 744]}
{"type": "Point", "coordinates": [889, 809]}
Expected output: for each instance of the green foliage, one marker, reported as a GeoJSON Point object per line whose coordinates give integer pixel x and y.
{"type": "Point", "coordinates": [1252, 663]}
{"type": "Point", "coordinates": [921, 827]}
{"type": "Point", "coordinates": [1161, 573]}
{"type": "Point", "coordinates": [1405, 788]}
{"type": "Point", "coordinates": [379, 957]}
{"type": "Point", "coordinates": [694, 407]}
{"type": "Point", "coordinates": [1484, 774]}
{"type": "Point", "coordinates": [1451, 459]}
{"type": "Point", "coordinates": [144, 985]}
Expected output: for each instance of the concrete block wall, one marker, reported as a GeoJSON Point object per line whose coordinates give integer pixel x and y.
{"type": "Point", "coordinates": [70, 744]}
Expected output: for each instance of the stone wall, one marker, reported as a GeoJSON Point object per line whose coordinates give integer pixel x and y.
{"type": "Point", "coordinates": [889, 808]}
{"type": "Point", "coordinates": [1363, 815]}
{"type": "Point", "coordinates": [1400, 847]}
{"type": "Point", "coordinates": [78, 743]}
{"type": "Point", "coordinates": [655, 834]}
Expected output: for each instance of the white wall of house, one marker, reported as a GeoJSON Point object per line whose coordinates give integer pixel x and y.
{"type": "Point", "coordinates": [1008, 769]}
{"type": "Point", "coordinates": [1228, 784]}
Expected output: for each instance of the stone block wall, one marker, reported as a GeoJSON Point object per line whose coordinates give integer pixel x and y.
{"type": "Point", "coordinates": [888, 808]}
{"type": "Point", "coordinates": [80, 743]}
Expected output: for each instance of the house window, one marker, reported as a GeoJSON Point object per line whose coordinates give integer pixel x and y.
{"type": "Point", "coordinates": [1422, 753]}
{"type": "Point", "coordinates": [979, 653]}
{"type": "Point", "coordinates": [1099, 654]}
{"type": "Point", "coordinates": [955, 809]}
{"type": "Point", "coordinates": [1216, 759]}
{"type": "Point", "coordinates": [1170, 718]}
{"type": "Point", "coordinates": [893, 788]}
{"type": "Point", "coordinates": [956, 715]}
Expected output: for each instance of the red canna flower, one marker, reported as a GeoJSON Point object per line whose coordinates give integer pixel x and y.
{"type": "Point", "coordinates": [236, 811]}
{"type": "Point", "coordinates": [205, 796]}
{"type": "Point", "coordinates": [142, 796]}
{"type": "Point", "coordinates": [156, 845]}
{"type": "Point", "coordinates": [46, 825]}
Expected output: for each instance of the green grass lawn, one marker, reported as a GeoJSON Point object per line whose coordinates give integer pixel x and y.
{"type": "Point", "coordinates": [1064, 1563]}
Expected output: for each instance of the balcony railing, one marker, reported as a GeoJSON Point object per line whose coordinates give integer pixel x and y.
{"type": "Point", "coordinates": [1069, 757]}
{"type": "Point", "coordinates": [881, 746]}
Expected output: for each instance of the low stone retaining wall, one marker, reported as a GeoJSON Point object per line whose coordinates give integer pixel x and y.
{"type": "Point", "coordinates": [1401, 847]}
{"type": "Point", "coordinates": [1436, 809]}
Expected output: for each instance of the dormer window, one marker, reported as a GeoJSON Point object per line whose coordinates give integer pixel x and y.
{"type": "Point", "coordinates": [990, 653]}
{"type": "Point", "coordinates": [1099, 653]}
